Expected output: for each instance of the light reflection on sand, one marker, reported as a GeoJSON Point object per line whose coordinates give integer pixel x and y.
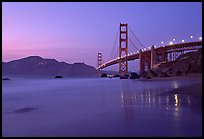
{"type": "Point", "coordinates": [151, 98]}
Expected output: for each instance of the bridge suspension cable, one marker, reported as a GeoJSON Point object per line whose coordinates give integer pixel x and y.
{"type": "Point", "coordinates": [136, 37]}
{"type": "Point", "coordinates": [116, 53]}
{"type": "Point", "coordinates": [113, 45]}
{"type": "Point", "coordinates": [133, 44]}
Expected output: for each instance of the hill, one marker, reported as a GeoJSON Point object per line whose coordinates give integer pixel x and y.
{"type": "Point", "coordinates": [35, 65]}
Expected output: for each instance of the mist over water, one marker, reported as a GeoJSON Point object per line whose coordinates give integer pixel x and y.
{"type": "Point", "coordinates": [97, 107]}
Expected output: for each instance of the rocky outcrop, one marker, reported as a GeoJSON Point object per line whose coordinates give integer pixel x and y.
{"type": "Point", "coordinates": [124, 77]}
{"type": "Point", "coordinates": [185, 64]}
{"type": "Point", "coordinates": [134, 75]}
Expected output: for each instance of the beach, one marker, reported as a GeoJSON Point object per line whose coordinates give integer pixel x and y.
{"type": "Point", "coordinates": [95, 107]}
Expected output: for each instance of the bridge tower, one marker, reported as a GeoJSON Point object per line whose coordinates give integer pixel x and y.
{"type": "Point", "coordinates": [123, 48]}
{"type": "Point", "coordinates": [99, 62]}
{"type": "Point", "coordinates": [99, 59]}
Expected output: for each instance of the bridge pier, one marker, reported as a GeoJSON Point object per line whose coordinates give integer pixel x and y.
{"type": "Point", "coordinates": [145, 61]}
{"type": "Point", "coordinates": [152, 57]}
{"type": "Point", "coordinates": [140, 58]}
{"type": "Point", "coordinates": [164, 56]}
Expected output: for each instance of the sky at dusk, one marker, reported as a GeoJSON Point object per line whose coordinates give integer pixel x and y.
{"type": "Point", "coordinates": [76, 32]}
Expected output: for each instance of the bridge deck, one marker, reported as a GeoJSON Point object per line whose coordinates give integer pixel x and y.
{"type": "Point", "coordinates": [167, 49]}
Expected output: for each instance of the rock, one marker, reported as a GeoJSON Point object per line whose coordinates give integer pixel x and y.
{"type": "Point", "coordinates": [178, 73]}
{"type": "Point", "coordinates": [143, 74]}
{"type": "Point", "coordinates": [166, 75]}
{"type": "Point", "coordinates": [104, 75]}
{"type": "Point", "coordinates": [116, 75]}
{"type": "Point", "coordinates": [170, 72]}
{"type": "Point", "coordinates": [151, 73]}
{"type": "Point", "coordinates": [134, 75]}
{"type": "Point", "coordinates": [124, 77]}
{"type": "Point", "coordinates": [58, 76]}
{"type": "Point", "coordinates": [188, 63]}
{"type": "Point", "coordinates": [24, 110]}
{"type": "Point", "coordinates": [165, 69]}
{"type": "Point", "coordinates": [5, 79]}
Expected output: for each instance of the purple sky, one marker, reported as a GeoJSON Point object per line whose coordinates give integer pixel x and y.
{"type": "Point", "coordinates": [76, 32]}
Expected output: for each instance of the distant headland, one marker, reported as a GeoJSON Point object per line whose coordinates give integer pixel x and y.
{"type": "Point", "coordinates": [36, 65]}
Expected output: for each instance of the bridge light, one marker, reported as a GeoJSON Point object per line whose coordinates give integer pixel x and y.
{"type": "Point", "coordinates": [144, 49]}
{"type": "Point", "coordinates": [162, 42]}
{"type": "Point", "coordinates": [137, 51]}
{"type": "Point", "coordinates": [155, 46]}
{"type": "Point", "coordinates": [191, 37]}
{"type": "Point", "coordinates": [200, 38]}
{"type": "Point", "coordinates": [149, 47]}
{"type": "Point", "coordinates": [171, 43]}
{"type": "Point", "coordinates": [182, 40]}
{"type": "Point", "coordinates": [174, 39]}
{"type": "Point", "coordinates": [130, 53]}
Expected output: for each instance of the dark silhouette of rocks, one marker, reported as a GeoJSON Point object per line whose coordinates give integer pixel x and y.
{"type": "Point", "coordinates": [24, 110]}
{"type": "Point", "coordinates": [104, 75]}
{"type": "Point", "coordinates": [35, 65]}
{"type": "Point", "coordinates": [58, 76]}
{"type": "Point", "coordinates": [5, 79]}
{"type": "Point", "coordinates": [134, 75]}
{"type": "Point", "coordinates": [124, 77]}
{"type": "Point", "coordinates": [116, 75]}
{"type": "Point", "coordinates": [188, 63]}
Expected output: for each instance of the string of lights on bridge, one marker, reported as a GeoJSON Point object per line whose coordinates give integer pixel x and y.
{"type": "Point", "coordinates": [149, 48]}
{"type": "Point", "coordinates": [171, 43]}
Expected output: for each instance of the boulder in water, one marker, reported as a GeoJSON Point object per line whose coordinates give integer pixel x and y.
{"type": "Point", "coordinates": [58, 76]}
{"type": "Point", "coordinates": [134, 75]}
{"type": "Point", "coordinates": [5, 79]}
{"type": "Point", "coordinates": [103, 75]}
{"type": "Point", "coordinates": [116, 75]}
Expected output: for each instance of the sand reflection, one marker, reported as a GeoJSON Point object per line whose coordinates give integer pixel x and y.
{"type": "Point", "coordinates": [151, 99]}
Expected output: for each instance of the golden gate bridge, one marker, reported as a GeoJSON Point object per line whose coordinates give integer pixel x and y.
{"type": "Point", "coordinates": [149, 57]}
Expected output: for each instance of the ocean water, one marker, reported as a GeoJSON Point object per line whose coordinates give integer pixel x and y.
{"type": "Point", "coordinates": [97, 107]}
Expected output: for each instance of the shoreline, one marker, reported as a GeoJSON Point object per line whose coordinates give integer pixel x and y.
{"type": "Point", "coordinates": [197, 76]}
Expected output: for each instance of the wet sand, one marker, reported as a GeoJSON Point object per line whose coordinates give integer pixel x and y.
{"type": "Point", "coordinates": [195, 90]}
{"type": "Point", "coordinates": [197, 76]}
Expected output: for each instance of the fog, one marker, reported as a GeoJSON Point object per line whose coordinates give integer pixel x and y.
{"type": "Point", "coordinates": [97, 107]}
